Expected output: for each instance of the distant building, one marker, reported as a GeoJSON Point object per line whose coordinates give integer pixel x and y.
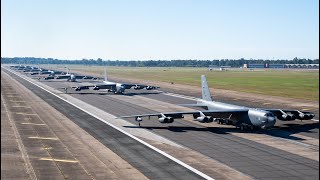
{"type": "Point", "coordinates": [256, 66]}
{"type": "Point", "coordinates": [276, 66]}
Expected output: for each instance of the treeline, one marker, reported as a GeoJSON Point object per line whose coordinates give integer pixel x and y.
{"type": "Point", "coordinates": [155, 63]}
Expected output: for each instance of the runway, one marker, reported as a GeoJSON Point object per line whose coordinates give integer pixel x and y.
{"type": "Point", "coordinates": [152, 164]}
{"type": "Point", "coordinates": [224, 144]}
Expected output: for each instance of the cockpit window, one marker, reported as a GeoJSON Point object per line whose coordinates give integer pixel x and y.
{"type": "Point", "coordinates": [269, 114]}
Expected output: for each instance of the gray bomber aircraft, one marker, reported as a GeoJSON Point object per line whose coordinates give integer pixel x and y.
{"type": "Point", "coordinates": [239, 116]}
{"type": "Point", "coordinates": [69, 77]}
{"type": "Point", "coordinates": [116, 88]}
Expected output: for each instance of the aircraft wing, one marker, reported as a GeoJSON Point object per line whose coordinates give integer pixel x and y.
{"type": "Point", "coordinates": [62, 76]}
{"type": "Point", "coordinates": [79, 76]}
{"type": "Point", "coordinates": [95, 86]}
{"type": "Point", "coordinates": [140, 86]}
{"type": "Point", "coordinates": [105, 86]}
{"type": "Point", "coordinates": [177, 115]}
{"type": "Point", "coordinates": [288, 115]}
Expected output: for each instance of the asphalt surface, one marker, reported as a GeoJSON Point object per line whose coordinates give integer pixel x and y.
{"type": "Point", "coordinates": [152, 164]}
{"type": "Point", "coordinates": [255, 159]}
{"type": "Point", "coordinates": [307, 127]}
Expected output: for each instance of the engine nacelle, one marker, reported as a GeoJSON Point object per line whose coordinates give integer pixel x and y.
{"type": "Point", "coordinates": [78, 89]}
{"type": "Point", "coordinates": [195, 116]}
{"type": "Point", "coordinates": [138, 119]}
{"type": "Point", "coordinates": [166, 120]}
{"type": "Point", "coordinates": [305, 116]}
{"type": "Point", "coordinates": [149, 87]}
{"type": "Point", "coordinates": [203, 119]}
{"type": "Point", "coordinates": [96, 88]}
{"type": "Point", "coordinates": [287, 117]}
{"type": "Point", "coordinates": [137, 87]}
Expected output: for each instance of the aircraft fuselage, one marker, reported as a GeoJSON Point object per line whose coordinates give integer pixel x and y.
{"type": "Point", "coordinates": [256, 117]}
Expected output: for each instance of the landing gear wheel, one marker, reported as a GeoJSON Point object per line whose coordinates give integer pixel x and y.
{"type": "Point", "coordinates": [241, 127]}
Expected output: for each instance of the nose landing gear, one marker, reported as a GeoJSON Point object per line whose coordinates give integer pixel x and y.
{"type": "Point", "coordinates": [244, 127]}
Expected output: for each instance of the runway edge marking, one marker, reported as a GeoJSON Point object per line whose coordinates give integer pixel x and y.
{"type": "Point", "coordinates": [28, 167]}
{"type": "Point", "coordinates": [124, 132]}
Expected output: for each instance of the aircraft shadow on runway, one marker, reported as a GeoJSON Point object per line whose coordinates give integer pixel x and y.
{"type": "Point", "coordinates": [282, 132]}
{"type": "Point", "coordinates": [141, 93]}
{"type": "Point", "coordinates": [294, 129]}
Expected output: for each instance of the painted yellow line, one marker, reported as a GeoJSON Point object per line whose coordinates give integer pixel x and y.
{"type": "Point", "coordinates": [18, 106]}
{"type": "Point", "coordinates": [25, 113]}
{"type": "Point", "coordinates": [45, 138]}
{"type": "Point", "coordinates": [58, 160]}
{"type": "Point", "coordinates": [34, 124]}
{"type": "Point", "coordinates": [305, 109]}
{"type": "Point", "coordinates": [236, 99]}
{"type": "Point", "coordinates": [266, 103]}
{"type": "Point", "coordinates": [47, 148]}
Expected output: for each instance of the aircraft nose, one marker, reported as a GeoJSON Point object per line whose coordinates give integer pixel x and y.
{"type": "Point", "coordinates": [270, 122]}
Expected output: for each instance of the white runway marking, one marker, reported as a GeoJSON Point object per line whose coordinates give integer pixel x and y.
{"type": "Point", "coordinates": [44, 138]}
{"type": "Point", "coordinates": [58, 160]}
{"type": "Point", "coordinates": [178, 95]}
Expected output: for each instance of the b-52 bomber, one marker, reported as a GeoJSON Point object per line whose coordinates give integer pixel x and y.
{"type": "Point", "coordinates": [115, 87]}
{"type": "Point", "coordinates": [223, 113]}
{"type": "Point", "coordinates": [68, 76]}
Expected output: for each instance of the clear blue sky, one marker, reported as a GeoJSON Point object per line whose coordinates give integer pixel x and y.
{"type": "Point", "coordinates": [160, 29]}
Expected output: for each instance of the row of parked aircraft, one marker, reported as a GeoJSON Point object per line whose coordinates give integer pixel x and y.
{"type": "Point", "coordinates": [115, 87]}
{"type": "Point", "coordinates": [214, 111]}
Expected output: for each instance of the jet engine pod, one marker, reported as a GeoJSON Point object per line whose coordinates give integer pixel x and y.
{"type": "Point", "coordinates": [203, 119]}
{"type": "Point", "coordinates": [149, 87]}
{"type": "Point", "coordinates": [308, 116]}
{"type": "Point", "coordinates": [166, 120]}
{"type": "Point", "coordinates": [139, 119]}
{"type": "Point", "coordinates": [96, 88]}
{"type": "Point", "coordinates": [195, 116]}
{"type": "Point", "coordinates": [210, 119]}
{"type": "Point", "coordinates": [292, 116]}
{"type": "Point", "coordinates": [287, 117]}
{"type": "Point", "coordinates": [305, 116]}
{"type": "Point", "coordinates": [137, 87]}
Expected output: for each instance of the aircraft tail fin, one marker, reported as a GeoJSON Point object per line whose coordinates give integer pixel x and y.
{"type": "Point", "coordinates": [105, 74]}
{"type": "Point", "coordinates": [206, 95]}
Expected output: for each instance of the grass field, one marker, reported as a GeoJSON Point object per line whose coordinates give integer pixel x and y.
{"type": "Point", "coordinates": [284, 83]}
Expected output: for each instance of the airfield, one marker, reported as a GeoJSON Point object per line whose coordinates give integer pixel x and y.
{"type": "Point", "coordinates": [47, 133]}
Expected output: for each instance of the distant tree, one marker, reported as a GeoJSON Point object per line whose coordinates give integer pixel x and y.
{"type": "Point", "coordinates": [99, 62]}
